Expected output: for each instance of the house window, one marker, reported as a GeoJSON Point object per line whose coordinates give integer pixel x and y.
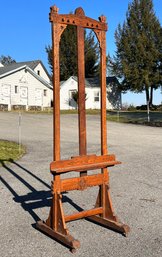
{"type": "Point", "coordinates": [38, 72]}
{"type": "Point", "coordinates": [96, 96]}
{"type": "Point", "coordinates": [45, 92]}
{"type": "Point", "coordinates": [16, 89]}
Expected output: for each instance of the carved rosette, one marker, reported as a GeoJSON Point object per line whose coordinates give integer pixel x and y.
{"type": "Point", "coordinates": [82, 183]}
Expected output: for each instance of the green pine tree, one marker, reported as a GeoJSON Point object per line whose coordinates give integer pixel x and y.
{"type": "Point", "coordinates": [68, 54]}
{"type": "Point", "coordinates": [91, 55]}
{"type": "Point", "coordinates": [138, 55]}
{"type": "Point", "coordinates": [6, 60]}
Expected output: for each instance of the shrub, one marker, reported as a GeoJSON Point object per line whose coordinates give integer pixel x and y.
{"type": "Point", "coordinates": [131, 107]}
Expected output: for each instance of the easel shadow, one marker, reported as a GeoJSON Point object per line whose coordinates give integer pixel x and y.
{"type": "Point", "coordinates": [34, 199]}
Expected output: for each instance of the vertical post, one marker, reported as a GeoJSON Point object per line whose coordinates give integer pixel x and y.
{"type": "Point", "coordinates": [103, 94]}
{"type": "Point", "coordinates": [103, 117]}
{"type": "Point", "coordinates": [20, 118]}
{"type": "Point", "coordinates": [81, 91]}
{"type": "Point", "coordinates": [55, 212]}
{"type": "Point", "coordinates": [56, 119]}
{"type": "Point", "coordinates": [56, 92]}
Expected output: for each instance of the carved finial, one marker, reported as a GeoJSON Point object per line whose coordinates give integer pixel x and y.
{"type": "Point", "coordinates": [102, 18]}
{"type": "Point", "coordinates": [54, 9]}
{"type": "Point", "coordinates": [79, 11]}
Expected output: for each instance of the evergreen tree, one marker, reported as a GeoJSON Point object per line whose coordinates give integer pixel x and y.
{"type": "Point", "coordinates": [6, 60]}
{"type": "Point", "coordinates": [68, 54]}
{"type": "Point", "coordinates": [139, 52]}
{"type": "Point", "coordinates": [68, 50]}
{"type": "Point", "coordinates": [91, 55]}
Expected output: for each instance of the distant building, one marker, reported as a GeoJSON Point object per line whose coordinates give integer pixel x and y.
{"type": "Point", "coordinates": [93, 93]}
{"type": "Point", "coordinates": [25, 85]}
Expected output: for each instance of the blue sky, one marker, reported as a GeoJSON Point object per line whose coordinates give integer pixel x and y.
{"type": "Point", "coordinates": [25, 29]}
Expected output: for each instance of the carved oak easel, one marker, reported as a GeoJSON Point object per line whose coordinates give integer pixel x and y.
{"type": "Point", "coordinates": [103, 213]}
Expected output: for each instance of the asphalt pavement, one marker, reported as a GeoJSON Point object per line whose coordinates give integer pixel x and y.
{"type": "Point", "coordinates": [136, 188]}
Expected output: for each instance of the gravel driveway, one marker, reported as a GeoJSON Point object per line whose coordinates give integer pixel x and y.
{"type": "Point", "coordinates": [136, 189]}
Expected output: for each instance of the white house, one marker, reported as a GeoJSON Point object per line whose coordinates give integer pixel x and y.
{"type": "Point", "coordinates": [26, 85]}
{"type": "Point", "coordinates": [93, 93]}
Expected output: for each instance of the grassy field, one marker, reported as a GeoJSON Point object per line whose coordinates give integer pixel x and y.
{"type": "Point", "coordinates": [50, 111]}
{"type": "Point", "coordinates": [138, 117]}
{"type": "Point", "coordinates": [10, 151]}
{"type": "Point", "coordinates": [89, 111]}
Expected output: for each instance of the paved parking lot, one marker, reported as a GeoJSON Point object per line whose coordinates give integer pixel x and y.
{"type": "Point", "coordinates": [136, 189]}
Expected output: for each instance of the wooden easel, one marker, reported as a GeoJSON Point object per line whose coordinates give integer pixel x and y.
{"type": "Point", "coordinates": [103, 213]}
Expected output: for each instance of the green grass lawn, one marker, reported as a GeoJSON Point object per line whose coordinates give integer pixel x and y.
{"type": "Point", "coordinates": [138, 117]}
{"type": "Point", "coordinates": [10, 151]}
{"type": "Point", "coordinates": [50, 111]}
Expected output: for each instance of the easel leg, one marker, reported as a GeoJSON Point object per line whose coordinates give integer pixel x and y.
{"type": "Point", "coordinates": [55, 225]}
{"type": "Point", "coordinates": [108, 218]}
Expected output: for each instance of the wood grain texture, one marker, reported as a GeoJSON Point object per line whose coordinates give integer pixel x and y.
{"type": "Point", "coordinates": [67, 240]}
{"type": "Point", "coordinates": [77, 20]}
{"type": "Point", "coordinates": [82, 183]}
{"type": "Point", "coordinates": [83, 164]}
{"type": "Point", "coordinates": [84, 214]}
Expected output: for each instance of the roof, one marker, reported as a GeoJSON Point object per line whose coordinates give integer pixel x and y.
{"type": "Point", "coordinates": [86, 81]}
{"type": "Point", "coordinates": [95, 82]}
{"type": "Point", "coordinates": [16, 65]}
{"type": "Point", "coordinates": [10, 67]}
{"type": "Point", "coordinates": [29, 66]}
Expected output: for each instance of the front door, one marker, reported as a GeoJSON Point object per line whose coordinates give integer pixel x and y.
{"type": "Point", "coordinates": [6, 94]}
{"type": "Point", "coordinates": [38, 97]}
{"type": "Point", "coordinates": [24, 96]}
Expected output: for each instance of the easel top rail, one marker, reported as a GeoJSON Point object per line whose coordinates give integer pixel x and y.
{"type": "Point", "coordinates": [78, 19]}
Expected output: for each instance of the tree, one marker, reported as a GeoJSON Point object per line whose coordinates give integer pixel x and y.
{"type": "Point", "coordinates": [75, 97]}
{"type": "Point", "coordinates": [68, 54]}
{"type": "Point", "coordinates": [6, 60]}
{"type": "Point", "coordinates": [91, 56]}
{"type": "Point", "coordinates": [138, 56]}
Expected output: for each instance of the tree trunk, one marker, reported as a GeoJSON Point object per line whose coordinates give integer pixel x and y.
{"type": "Point", "coordinates": [151, 96]}
{"type": "Point", "coordinates": [148, 103]}
{"type": "Point", "coordinates": [147, 95]}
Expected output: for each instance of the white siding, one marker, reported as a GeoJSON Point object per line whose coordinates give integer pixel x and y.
{"type": "Point", "coordinates": [113, 99]}
{"type": "Point", "coordinates": [39, 69]}
{"type": "Point", "coordinates": [27, 87]}
{"type": "Point", "coordinates": [65, 90]}
{"type": "Point", "coordinates": [5, 94]}
{"type": "Point", "coordinates": [90, 96]}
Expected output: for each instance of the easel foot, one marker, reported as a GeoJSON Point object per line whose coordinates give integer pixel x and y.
{"type": "Point", "coordinates": [66, 240]}
{"type": "Point", "coordinates": [114, 225]}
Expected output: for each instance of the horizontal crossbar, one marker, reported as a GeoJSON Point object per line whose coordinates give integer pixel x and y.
{"type": "Point", "coordinates": [72, 19]}
{"type": "Point", "coordinates": [82, 183]}
{"type": "Point", "coordinates": [83, 214]}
